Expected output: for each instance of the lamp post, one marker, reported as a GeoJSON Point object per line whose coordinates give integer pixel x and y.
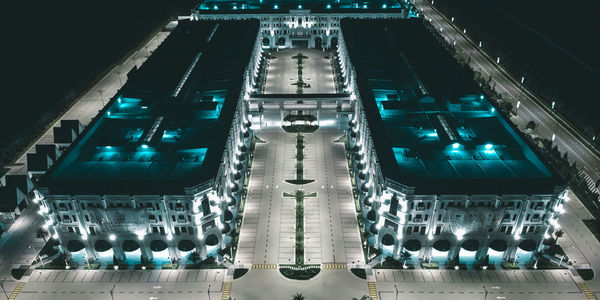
{"type": "Point", "coordinates": [485, 293]}
{"type": "Point", "coordinates": [396, 291]}
{"type": "Point", "coordinates": [37, 255]}
{"type": "Point", "coordinates": [209, 292]}
{"type": "Point", "coordinates": [112, 292]}
{"type": "Point", "coordinates": [101, 97]}
{"type": "Point", "coordinates": [2, 285]}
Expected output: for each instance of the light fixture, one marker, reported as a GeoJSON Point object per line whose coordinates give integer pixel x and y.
{"type": "Point", "coordinates": [488, 146]}
{"type": "Point", "coordinates": [144, 146]}
{"type": "Point", "coordinates": [455, 145]}
{"type": "Point", "coordinates": [112, 237]}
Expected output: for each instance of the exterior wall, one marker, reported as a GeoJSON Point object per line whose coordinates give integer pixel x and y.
{"type": "Point", "coordinates": [171, 218]}
{"type": "Point", "coordinates": [456, 218]}
{"type": "Point", "coordinates": [196, 215]}
{"type": "Point", "coordinates": [299, 25]}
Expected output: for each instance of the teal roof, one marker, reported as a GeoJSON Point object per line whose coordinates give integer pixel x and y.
{"type": "Point", "coordinates": [432, 126]}
{"type": "Point", "coordinates": [166, 128]}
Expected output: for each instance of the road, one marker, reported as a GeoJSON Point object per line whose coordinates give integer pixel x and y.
{"type": "Point", "coordinates": [530, 107]}
{"type": "Point", "coordinates": [14, 244]}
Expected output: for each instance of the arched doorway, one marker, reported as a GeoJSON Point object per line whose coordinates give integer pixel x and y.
{"type": "Point", "coordinates": [318, 43]}
{"type": "Point", "coordinates": [266, 42]}
{"type": "Point", "coordinates": [281, 42]}
{"type": "Point", "coordinates": [334, 42]}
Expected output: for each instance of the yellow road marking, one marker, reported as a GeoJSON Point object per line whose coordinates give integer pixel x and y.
{"type": "Point", "coordinates": [16, 291]}
{"type": "Point", "coordinates": [226, 290]}
{"type": "Point", "coordinates": [335, 266]}
{"type": "Point", "coordinates": [372, 290]}
{"type": "Point", "coordinates": [264, 266]}
{"type": "Point", "coordinates": [584, 288]}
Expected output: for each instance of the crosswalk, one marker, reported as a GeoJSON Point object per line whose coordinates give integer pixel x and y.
{"type": "Point", "coordinates": [335, 266]}
{"type": "Point", "coordinates": [264, 266]}
{"type": "Point", "coordinates": [16, 291]}
{"type": "Point", "coordinates": [372, 290]}
{"type": "Point", "coordinates": [588, 180]}
{"type": "Point", "coordinates": [226, 290]}
{"type": "Point", "coordinates": [588, 294]}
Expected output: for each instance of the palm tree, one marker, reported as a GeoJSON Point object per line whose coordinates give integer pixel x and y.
{"type": "Point", "coordinates": [194, 257]}
{"type": "Point", "coordinates": [41, 232]}
{"type": "Point", "coordinates": [405, 256]}
{"type": "Point", "coordinates": [558, 233]}
{"type": "Point", "coordinates": [298, 296]}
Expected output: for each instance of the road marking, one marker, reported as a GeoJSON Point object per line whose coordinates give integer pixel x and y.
{"type": "Point", "coordinates": [584, 288]}
{"type": "Point", "coordinates": [264, 266]}
{"type": "Point", "coordinates": [335, 266]}
{"type": "Point", "coordinates": [372, 290]}
{"type": "Point", "coordinates": [16, 291]}
{"type": "Point", "coordinates": [226, 290]}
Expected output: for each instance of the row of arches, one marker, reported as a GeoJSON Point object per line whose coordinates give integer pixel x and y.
{"type": "Point", "coordinates": [317, 42]}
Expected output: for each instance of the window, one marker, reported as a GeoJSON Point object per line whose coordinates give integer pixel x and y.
{"type": "Point", "coordinates": [154, 229]}
{"type": "Point", "coordinates": [514, 217]}
{"type": "Point", "coordinates": [409, 230]}
{"type": "Point", "coordinates": [509, 230]}
{"type": "Point", "coordinates": [87, 218]}
{"type": "Point", "coordinates": [428, 205]}
{"type": "Point", "coordinates": [92, 230]}
{"type": "Point", "coordinates": [426, 218]}
{"type": "Point", "coordinates": [82, 205]}
{"type": "Point", "coordinates": [439, 217]}
{"type": "Point", "coordinates": [191, 230]}
{"type": "Point", "coordinates": [438, 230]}
{"type": "Point", "coordinates": [173, 218]}
{"type": "Point", "coordinates": [159, 218]}
{"type": "Point", "coordinates": [524, 230]}
{"type": "Point", "coordinates": [503, 229]}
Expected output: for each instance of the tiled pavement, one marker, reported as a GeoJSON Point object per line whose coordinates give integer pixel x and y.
{"type": "Point", "coordinates": [211, 275]}
{"type": "Point", "coordinates": [518, 276]}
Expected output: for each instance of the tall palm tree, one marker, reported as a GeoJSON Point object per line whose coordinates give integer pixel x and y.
{"type": "Point", "coordinates": [41, 232]}
{"type": "Point", "coordinates": [559, 233]}
{"type": "Point", "coordinates": [298, 296]}
{"type": "Point", "coordinates": [405, 257]}
{"type": "Point", "coordinates": [194, 257]}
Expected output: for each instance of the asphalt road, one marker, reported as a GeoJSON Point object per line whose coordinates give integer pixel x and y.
{"type": "Point", "coordinates": [530, 108]}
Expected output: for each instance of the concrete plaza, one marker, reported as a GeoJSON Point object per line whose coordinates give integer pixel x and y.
{"type": "Point", "coordinates": [283, 71]}
{"type": "Point", "coordinates": [268, 229]}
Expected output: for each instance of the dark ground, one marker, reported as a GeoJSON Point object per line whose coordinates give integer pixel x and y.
{"type": "Point", "coordinates": [556, 42]}
{"type": "Point", "coordinates": [53, 48]}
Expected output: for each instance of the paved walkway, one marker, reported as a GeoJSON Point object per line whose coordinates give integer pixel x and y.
{"type": "Point", "coordinates": [283, 71]}
{"type": "Point", "coordinates": [76, 276]}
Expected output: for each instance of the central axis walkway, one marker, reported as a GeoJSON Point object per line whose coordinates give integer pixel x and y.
{"type": "Point", "coordinates": [268, 229]}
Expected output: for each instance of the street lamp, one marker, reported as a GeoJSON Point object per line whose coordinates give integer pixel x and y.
{"type": "Point", "coordinates": [485, 293]}
{"type": "Point", "coordinates": [517, 109]}
{"type": "Point", "coordinates": [37, 255]}
{"type": "Point", "coordinates": [498, 60]}
{"type": "Point", "coordinates": [396, 291]}
{"type": "Point", "coordinates": [101, 97]}
{"type": "Point", "coordinates": [209, 292]}
{"type": "Point", "coordinates": [522, 79]}
{"type": "Point", "coordinates": [112, 292]}
{"type": "Point", "coordinates": [553, 104]}
{"type": "Point", "coordinates": [2, 285]}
